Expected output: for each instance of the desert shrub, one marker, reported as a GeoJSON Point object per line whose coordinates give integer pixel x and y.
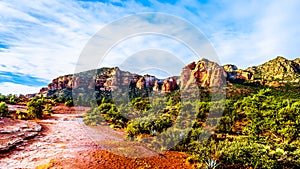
{"type": "Point", "coordinates": [266, 115]}
{"type": "Point", "coordinates": [105, 112]}
{"type": "Point", "coordinates": [270, 134]}
{"type": "Point", "coordinates": [245, 154]}
{"type": "Point", "coordinates": [35, 108]}
{"type": "Point", "coordinates": [21, 115]}
{"type": "Point", "coordinates": [250, 153]}
{"type": "Point", "coordinates": [69, 103]}
{"type": "Point", "coordinates": [132, 129]}
{"type": "Point", "coordinates": [48, 109]}
{"type": "Point", "coordinates": [149, 124]}
{"type": "Point", "coordinates": [140, 104]}
{"type": "Point", "coordinates": [3, 109]}
{"type": "Point", "coordinates": [12, 99]}
{"type": "Point", "coordinates": [93, 117]}
{"type": "Point", "coordinates": [260, 130]}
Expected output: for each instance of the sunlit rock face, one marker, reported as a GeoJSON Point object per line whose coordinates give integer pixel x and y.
{"type": "Point", "coordinates": [204, 73]}
{"type": "Point", "coordinates": [237, 75]}
{"type": "Point", "coordinates": [156, 86]}
{"type": "Point", "coordinates": [169, 85]}
{"type": "Point", "coordinates": [276, 69]}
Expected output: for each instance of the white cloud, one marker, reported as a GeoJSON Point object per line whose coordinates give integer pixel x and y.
{"type": "Point", "coordinates": [135, 44]}
{"type": "Point", "coordinates": [257, 32]}
{"type": "Point", "coordinates": [12, 88]}
{"type": "Point", "coordinates": [45, 38]}
{"type": "Point", "coordinates": [46, 45]}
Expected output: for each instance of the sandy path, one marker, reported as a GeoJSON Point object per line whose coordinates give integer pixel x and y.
{"type": "Point", "coordinates": [62, 136]}
{"type": "Point", "coordinates": [65, 142]}
{"type": "Point", "coordinates": [65, 136]}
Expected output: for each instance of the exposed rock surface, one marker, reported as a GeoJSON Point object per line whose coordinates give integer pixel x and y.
{"type": "Point", "coordinates": [15, 132]}
{"type": "Point", "coordinates": [204, 73]}
{"type": "Point", "coordinates": [237, 75]}
{"type": "Point", "coordinates": [146, 81]}
{"type": "Point", "coordinates": [297, 60]}
{"type": "Point", "coordinates": [108, 79]}
{"type": "Point", "coordinates": [272, 73]}
{"type": "Point", "coordinates": [169, 84]}
{"type": "Point", "coordinates": [279, 68]}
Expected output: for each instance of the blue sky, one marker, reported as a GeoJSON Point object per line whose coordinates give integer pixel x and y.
{"type": "Point", "coordinates": [40, 40]}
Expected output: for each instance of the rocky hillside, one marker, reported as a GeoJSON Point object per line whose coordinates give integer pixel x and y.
{"type": "Point", "coordinates": [204, 73]}
{"type": "Point", "coordinates": [108, 79]}
{"type": "Point", "coordinates": [278, 69]}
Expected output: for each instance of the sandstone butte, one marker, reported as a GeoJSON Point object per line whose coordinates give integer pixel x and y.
{"type": "Point", "coordinates": [203, 73]}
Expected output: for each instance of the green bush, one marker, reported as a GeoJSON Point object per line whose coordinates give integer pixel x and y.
{"type": "Point", "coordinates": [4, 110]}
{"type": "Point", "coordinates": [21, 115]}
{"type": "Point", "coordinates": [2, 98]}
{"type": "Point", "coordinates": [141, 104]}
{"type": "Point", "coordinates": [48, 109]}
{"type": "Point", "coordinates": [260, 130]}
{"type": "Point", "coordinates": [35, 108]}
{"type": "Point", "coordinates": [69, 103]}
{"type": "Point", "coordinates": [105, 112]}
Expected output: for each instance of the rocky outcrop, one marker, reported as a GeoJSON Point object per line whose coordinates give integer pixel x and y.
{"type": "Point", "coordinates": [63, 82]}
{"type": "Point", "coordinates": [156, 86]}
{"type": "Point", "coordinates": [297, 61]}
{"type": "Point", "coordinates": [108, 79]}
{"type": "Point", "coordinates": [169, 84]}
{"type": "Point", "coordinates": [186, 78]}
{"type": "Point", "coordinates": [204, 73]}
{"type": "Point", "coordinates": [230, 68]}
{"type": "Point", "coordinates": [146, 81]}
{"type": "Point", "coordinates": [16, 132]}
{"type": "Point", "coordinates": [277, 69]}
{"type": "Point", "coordinates": [237, 75]}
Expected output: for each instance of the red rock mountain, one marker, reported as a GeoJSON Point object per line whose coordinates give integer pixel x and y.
{"type": "Point", "coordinates": [204, 73]}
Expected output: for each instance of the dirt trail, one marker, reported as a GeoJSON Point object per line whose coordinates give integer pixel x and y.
{"type": "Point", "coordinates": [65, 142]}
{"type": "Point", "coordinates": [62, 136]}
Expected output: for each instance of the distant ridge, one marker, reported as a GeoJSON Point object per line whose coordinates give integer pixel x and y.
{"type": "Point", "coordinates": [279, 68]}
{"type": "Point", "coordinates": [204, 73]}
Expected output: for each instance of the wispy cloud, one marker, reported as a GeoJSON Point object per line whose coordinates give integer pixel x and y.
{"type": "Point", "coordinates": [251, 32]}
{"type": "Point", "coordinates": [23, 79]}
{"type": "Point", "coordinates": [43, 39]}
{"type": "Point", "coordinates": [13, 88]}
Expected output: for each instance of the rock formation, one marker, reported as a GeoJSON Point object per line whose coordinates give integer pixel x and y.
{"type": "Point", "coordinates": [15, 132]}
{"type": "Point", "coordinates": [277, 69]}
{"type": "Point", "coordinates": [204, 74]}
{"type": "Point", "coordinates": [237, 75]}
{"type": "Point", "coordinates": [107, 79]}
{"type": "Point", "coordinates": [169, 85]}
